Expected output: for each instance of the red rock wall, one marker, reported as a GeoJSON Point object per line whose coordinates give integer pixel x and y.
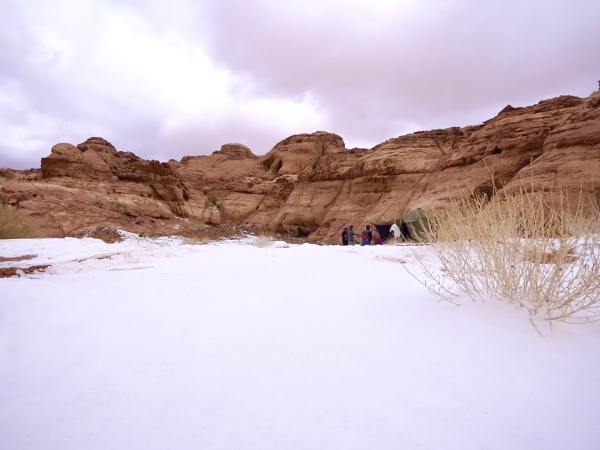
{"type": "Point", "coordinates": [310, 184]}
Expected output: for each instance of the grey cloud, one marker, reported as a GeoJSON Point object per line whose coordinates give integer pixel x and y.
{"type": "Point", "coordinates": [16, 162]}
{"type": "Point", "coordinates": [203, 139]}
{"type": "Point", "coordinates": [79, 104]}
{"type": "Point", "coordinates": [441, 64]}
{"type": "Point", "coordinates": [431, 68]}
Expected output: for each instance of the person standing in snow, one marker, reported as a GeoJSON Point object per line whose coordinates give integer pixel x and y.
{"type": "Point", "coordinates": [395, 230]}
{"type": "Point", "coordinates": [345, 236]}
{"type": "Point", "coordinates": [351, 235]}
{"type": "Point", "coordinates": [366, 236]}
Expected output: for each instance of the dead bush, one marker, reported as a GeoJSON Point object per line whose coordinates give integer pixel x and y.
{"type": "Point", "coordinates": [13, 225]}
{"type": "Point", "coordinates": [536, 254]}
{"type": "Point", "coordinates": [263, 239]}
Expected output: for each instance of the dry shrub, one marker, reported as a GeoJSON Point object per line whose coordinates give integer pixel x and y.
{"type": "Point", "coordinates": [13, 225]}
{"type": "Point", "coordinates": [519, 247]}
{"type": "Point", "coordinates": [263, 239]}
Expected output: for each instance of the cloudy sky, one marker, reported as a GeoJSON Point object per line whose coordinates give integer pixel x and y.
{"type": "Point", "coordinates": [171, 78]}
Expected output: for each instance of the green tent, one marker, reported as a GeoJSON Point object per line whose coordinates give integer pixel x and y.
{"type": "Point", "coordinates": [412, 226]}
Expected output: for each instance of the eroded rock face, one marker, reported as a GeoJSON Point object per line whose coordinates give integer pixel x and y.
{"type": "Point", "coordinates": [299, 153]}
{"type": "Point", "coordinates": [495, 152]}
{"type": "Point", "coordinates": [310, 184]}
{"type": "Point", "coordinates": [66, 160]}
{"type": "Point", "coordinates": [568, 169]}
{"type": "Point", "coordinates": [92, 185]}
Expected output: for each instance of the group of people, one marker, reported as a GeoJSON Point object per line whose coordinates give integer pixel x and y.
{"type": "Point", "coordinates": [350, 237]}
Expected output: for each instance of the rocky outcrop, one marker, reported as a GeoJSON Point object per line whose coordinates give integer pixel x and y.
{"type": "Point", "coordinates": [310, 184]}
{"type": "Point", "coordinates": [568, 169]}
{"type": "Point", "coordinates": [492, 154]}
{"type": "Point", "coordinates": [92, 185]}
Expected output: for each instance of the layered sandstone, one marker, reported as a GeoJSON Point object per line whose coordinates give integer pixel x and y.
{"type": "Point", "coordinates": [310, 184]}
{"type": "Point", "coordinates": [92, 185]}
{"type": "Point", "coordinates": [570, 159]}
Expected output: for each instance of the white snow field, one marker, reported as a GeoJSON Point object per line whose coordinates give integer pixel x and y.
{"type": "Point", "coordinates": [165, 345]}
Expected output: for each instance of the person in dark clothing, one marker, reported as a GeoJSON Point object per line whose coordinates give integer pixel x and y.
{"type": "Point", "coordinates": [351, 235]}
{"type": "Point", "coordinates": [345, 236]}
{"type": "Point", "coordinates": [366, 236]}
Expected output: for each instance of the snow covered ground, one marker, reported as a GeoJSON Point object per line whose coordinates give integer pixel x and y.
{"type": "Point", "coordinates": [161, 345]}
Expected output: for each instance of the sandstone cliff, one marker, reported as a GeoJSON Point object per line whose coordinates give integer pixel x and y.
{"type": "Point", "coordinates": [310, 184]}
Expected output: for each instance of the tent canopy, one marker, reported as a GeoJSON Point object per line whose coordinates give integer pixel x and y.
{"type": "Point", "coordinates": [383, 229]}
{"type": "Point", "coordinates": [417, 215]}
{"type": "Point", "coordinates": [412, 225]}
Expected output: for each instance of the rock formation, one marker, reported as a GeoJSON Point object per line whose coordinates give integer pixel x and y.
{"type": "Point", "coordinates": [310, 184]}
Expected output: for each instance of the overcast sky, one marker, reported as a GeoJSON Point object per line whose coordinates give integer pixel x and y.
{"type": "Point", "coordinates": [166, 79]}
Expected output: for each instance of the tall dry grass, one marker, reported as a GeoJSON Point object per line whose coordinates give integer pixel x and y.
{"type": "Point", "coordinates": [536, 254]}
{"type": "Point", "coordinates": [13, 225]}
{"type": "Point", "coordinates": [263, 239]}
